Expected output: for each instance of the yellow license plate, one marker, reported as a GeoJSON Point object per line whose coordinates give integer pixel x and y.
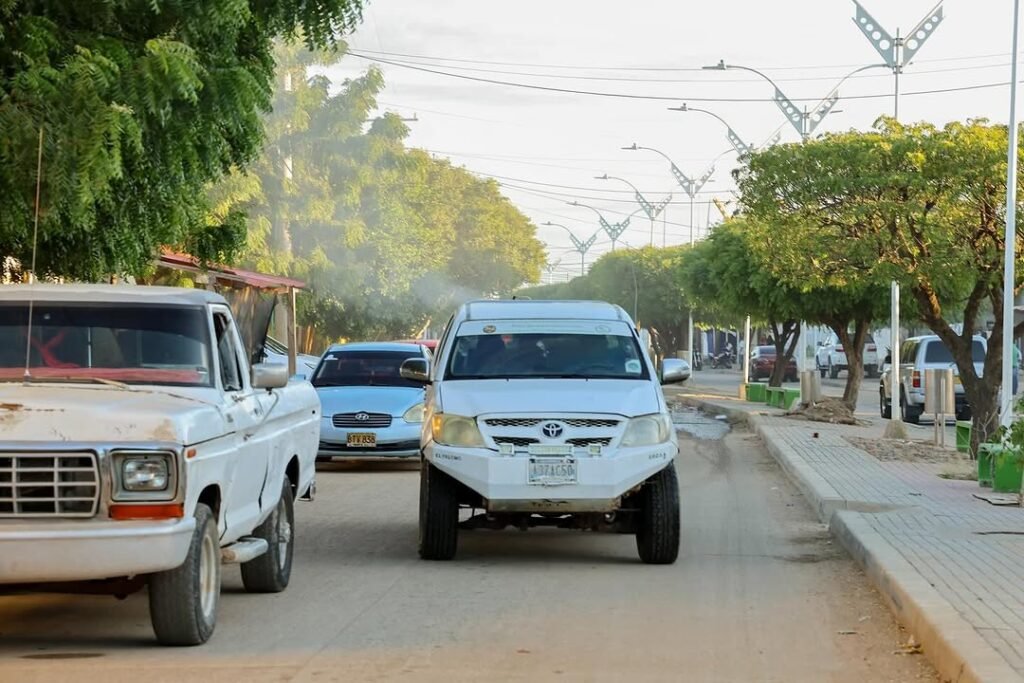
{"type": "Point", "coordinates": [362, 440]}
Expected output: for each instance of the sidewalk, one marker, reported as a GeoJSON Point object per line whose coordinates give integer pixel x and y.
{"type": "Point", "coordinates": [950, 566]}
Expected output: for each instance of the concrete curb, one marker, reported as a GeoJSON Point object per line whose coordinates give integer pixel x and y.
{"type": "Point", "coordinates": [952, 645]}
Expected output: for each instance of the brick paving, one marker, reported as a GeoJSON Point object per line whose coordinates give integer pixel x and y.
{"type": "Point", "coordinates": [970, 551]}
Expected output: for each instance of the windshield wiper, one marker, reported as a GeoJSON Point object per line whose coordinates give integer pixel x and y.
{"type": "Point", "coordinates": [70, 378]}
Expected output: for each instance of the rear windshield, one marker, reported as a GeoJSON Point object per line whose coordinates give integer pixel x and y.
{"type": "Point", "coordinates": [766, 350]}
{"type": "Point", "coordinates": [363, 369]}
{"type": "Point", "coordinates": [937, 352]}
{"type": "Point", "coordinates": [546, 355]}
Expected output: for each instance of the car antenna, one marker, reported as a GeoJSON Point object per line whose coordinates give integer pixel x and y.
{"type": "Point", "coordinates": [32, 272]}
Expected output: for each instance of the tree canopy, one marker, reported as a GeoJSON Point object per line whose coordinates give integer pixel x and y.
{"type": "Point", "coordinates": [141, 104]}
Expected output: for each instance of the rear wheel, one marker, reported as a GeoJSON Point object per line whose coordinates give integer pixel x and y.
{"type": "Point", "coordinates": [833, 371]}
{"type": "Point", "coordinates": [885, 407]}
{"type": "Point", "coordinates": [657, 534]}
{"type": "Point", "coordinates": [910, 414]}
{"type": "Point", "coordinates": [183, 601]}
{"type": "Point", "coordinates": [271, 571]}
{"type": "Point", "coordinates": [439, 514]}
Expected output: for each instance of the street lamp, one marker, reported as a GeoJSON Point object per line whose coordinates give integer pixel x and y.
{"type": "Point", "coordinates": [805, 122]}
{"type": "Point", "coordinates": [652, 210]}
{"type": "Point", "coordinates": [742, 148]}
{"type": "Point", "coordinates": [1006, 407]}
{"type": "Point", "coordinates": [581, 246]}
{"type": "Point", "coordinates": [613, 230]}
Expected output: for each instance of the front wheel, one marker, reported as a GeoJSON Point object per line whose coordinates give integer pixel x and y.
{"type": "Point", "coordinates": [885, 406]}
{"type": "Point", "coordinates": [657, 534]}
{"type": "Point", "coordinates": [183, 601]}
{"type": "Point", "coordinates": [271, 571]}
{"type": "Point", "coordinates": [439, 514]}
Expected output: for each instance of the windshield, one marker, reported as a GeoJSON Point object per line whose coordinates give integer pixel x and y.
{"type": "Point", "coordinates": [106, 342]}
{"type": "Point", "coordinates": [549, 354]}
{"type": "Point", "coordinates": [937, 352]}
{"type": "Point", "coordinates": [363, 369]}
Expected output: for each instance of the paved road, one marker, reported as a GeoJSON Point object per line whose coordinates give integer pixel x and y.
{"type": "Point", "coordinates": [760, 593]}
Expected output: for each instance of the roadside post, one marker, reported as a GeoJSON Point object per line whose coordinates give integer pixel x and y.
{"type": "Point", "coordinates": [746, 358]}
{"type": "Point", "coordinates": [939, 400]}
{"type": "Point", "coordinates": [895, 429]}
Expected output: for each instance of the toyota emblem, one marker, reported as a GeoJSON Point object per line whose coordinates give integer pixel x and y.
{"type": "Point", "coordinates": [362, 417]}
{"type": "Point", "coordinates": [552, 430]}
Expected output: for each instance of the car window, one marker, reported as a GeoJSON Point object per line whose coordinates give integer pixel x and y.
{"type": "Point", "coordinates": [546, 355]}
{"type": "Point", "coordinates": [227, 353]}
{"type": "Point", "coordinates": [364, 369]}
{"type": "Point", "coordinates": [908, 352]}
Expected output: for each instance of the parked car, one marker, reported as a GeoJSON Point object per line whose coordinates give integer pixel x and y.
{"type": "Point", "coordinates": [429, 344]}
{"type": "Point", "coordinates": [917, 355]}
{"type": "Point", "coordinates": [830, 358]}
{"type": "Point", "coordinates": [276, 352]}
{"type": "Point", "coordinates": [369, 409]}
{"type": "Point", "coordinates": [139, 449]}
{"type": "Point", "coordinates": [762, 365]}
{"type": "Point", "coordinates": [547, 413]}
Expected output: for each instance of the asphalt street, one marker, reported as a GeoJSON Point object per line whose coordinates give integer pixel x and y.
{"type": "Point", "coordinates": [760, 593]}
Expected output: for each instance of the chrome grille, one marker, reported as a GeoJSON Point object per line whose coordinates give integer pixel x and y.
{"type": "Point", "coordinates": [590, 422]}
{"type": "Point", "coordinates": [353, 421]}
{"type": "Point", "coordinates": [583, 442]}
{"type": "Point", "coordinates": [513, 422]}
{"type": "Point", "coordinates": [517, 441]}
{"type": "Point", "coordinates": [49, 485]}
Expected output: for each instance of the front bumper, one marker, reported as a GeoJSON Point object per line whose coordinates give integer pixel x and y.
{"type": "Point", "coordinates": [43, 551]}
{"type": "Point", "coordinates": [503, 480]}
{"type": "Point", "coordinates": [400, 440]}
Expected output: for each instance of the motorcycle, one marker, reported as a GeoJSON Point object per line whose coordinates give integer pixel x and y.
{"type": "Point", "coordinates": [721, 361]}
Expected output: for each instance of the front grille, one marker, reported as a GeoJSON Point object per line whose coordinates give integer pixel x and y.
{"type": "Point", "coordinates": [517, 441]}
{"type": "Point", "coordinates": [590, 422]}
{"type": "Point", "coordinates": [413, 445]}
{"type": "Point", "coordinates": [513, 422]}
{"type": "Point", "coordinates": [370, 421]}
{"type": "Point", "coordinates": [48, 485]}
{"type": "Point", "coordinates": [589, 441]}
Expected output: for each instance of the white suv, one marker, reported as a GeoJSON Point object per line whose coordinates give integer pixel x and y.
{"type": "Point", "coordinates": [547, 413]}
{"type": "Point", "coordinates": [830, 358]}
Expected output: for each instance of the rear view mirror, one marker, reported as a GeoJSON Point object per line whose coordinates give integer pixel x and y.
{"type": "Point", "coordinates": [674, 370]}
{"type": "Point", "coordinates": [416, 370]}
{"type": "Point", "coordinates": [269, 375]}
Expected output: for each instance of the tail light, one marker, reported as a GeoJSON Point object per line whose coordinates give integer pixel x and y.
{"type": "Point", "coordinates": [871, 347]}
{"type": "Point", "coordinates": [839, 349]}
{"type": "Point", "coordinates": [915, 380]}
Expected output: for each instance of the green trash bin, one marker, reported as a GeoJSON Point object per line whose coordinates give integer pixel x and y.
{"type": "Point", "coordinates": [1007, 466]}
{"type": "Point", "coordinates": [963, 436]}
{"type": "Point", "coordinates": [789, 398]}
{"type": "Point", "coordinates": [985, 453]}
{"type": "Point", "coordinates": [756, 392]}
{"type": "Point", "coordinates": [775, 396]}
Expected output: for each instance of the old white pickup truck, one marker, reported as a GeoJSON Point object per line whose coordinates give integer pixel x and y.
{"type": "Point", "coordinates": [139, 449]}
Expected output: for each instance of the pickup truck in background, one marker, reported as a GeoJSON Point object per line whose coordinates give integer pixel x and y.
{"type": "Point", "coordinates": [830, 358]}
{"type": "Point", "coordinates": [138, 448]}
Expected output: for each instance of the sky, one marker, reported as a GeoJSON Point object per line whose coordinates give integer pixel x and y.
{"type": "Point", "coordinates": [547, 147]}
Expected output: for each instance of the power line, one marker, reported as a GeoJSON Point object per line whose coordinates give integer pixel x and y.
{"type": "Point", "coordinates": [580, 67]}
{"type": "Point", "coordinates": [666, 98]}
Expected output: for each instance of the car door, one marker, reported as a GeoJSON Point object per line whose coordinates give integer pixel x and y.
{"type": "Point", "coordinates": [245, 411]}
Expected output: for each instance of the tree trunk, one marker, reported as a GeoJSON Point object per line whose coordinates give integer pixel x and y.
{"type": "Point", "coordinates": [854, 347]}
{"type": "Point", "coordinates": [784, 338]}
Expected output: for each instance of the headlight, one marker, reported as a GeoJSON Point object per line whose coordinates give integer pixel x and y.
{"type": "Point", "coordinates": [456, 430]}
{"type": "Point", "coordinates": [648, 430]}
{"type": "Point", "coordinates": [414, 414]}
{"type": "Point", "coordinates": [144, 476]}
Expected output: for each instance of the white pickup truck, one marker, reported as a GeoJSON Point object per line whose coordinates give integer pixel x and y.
{"type": "Point", "coordinates": [139, 449]}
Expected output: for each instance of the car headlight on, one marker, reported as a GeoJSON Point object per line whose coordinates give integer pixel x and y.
{"type": "Point", "coordinates": [456, 430]}
{"type": "Point", "coordinates": [648, 430]}
{"type": "Point", "coordinates": [145, 476]}
{"type": "Point", "coordinates": [414, 414]}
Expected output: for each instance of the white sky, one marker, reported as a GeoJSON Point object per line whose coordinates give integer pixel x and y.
{"type": "Point", "coordinates": [534, 137]}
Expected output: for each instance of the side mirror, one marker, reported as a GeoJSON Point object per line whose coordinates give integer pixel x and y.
{"type": "Point", "coordinates": [269, 375]}
{"type": "Point", "coordinates": [674, 370]}
{"type": "Point", "coordinates": [416, 370]}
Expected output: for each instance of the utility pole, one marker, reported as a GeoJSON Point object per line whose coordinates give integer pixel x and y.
{"type": "Point", "coordinates": [1006, 407]}
{"type": "Point", "coordinates": [897, 53]}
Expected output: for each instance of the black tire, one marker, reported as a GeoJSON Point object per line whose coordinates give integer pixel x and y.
{"type": "Point", "coordinates": [885, 407]}
{"type": "Point", "coordinates": [178, 608]}
{"type": "Point", "coordinates": [657, 531]}
{"type": "Point", "coordinates": [823, 372]}
{"type": "Point", "coordinates": [271, 571]}
{"type": "Point", "coordinates": [871, 371]}
{"type": "Point", "coordinates": [909, 414]}
{"type": "Point", "coordinates": [833, 371]}
{"type": "Point", "coordinates": [965, 414]}
{"type": "Point", "coordinates": [439, 514]}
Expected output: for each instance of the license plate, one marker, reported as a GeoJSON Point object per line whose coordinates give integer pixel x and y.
{"type": "Point", "coordinates": [552, 471]}
{"type": "Point", "coordinates": [362, 440]}
{"type": "Point", "coordinates": [549, 449]}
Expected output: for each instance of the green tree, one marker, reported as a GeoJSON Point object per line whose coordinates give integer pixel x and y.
{"type": "Point", "coordinates": [914, 203]}
{"type": "Point", "coordinates": [142, 104]}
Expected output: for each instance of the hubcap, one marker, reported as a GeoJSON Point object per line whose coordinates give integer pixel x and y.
{"type": "Point", "coordinates": [284, 534]}
{"type": "Point", "coordinates": [208, 559]}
